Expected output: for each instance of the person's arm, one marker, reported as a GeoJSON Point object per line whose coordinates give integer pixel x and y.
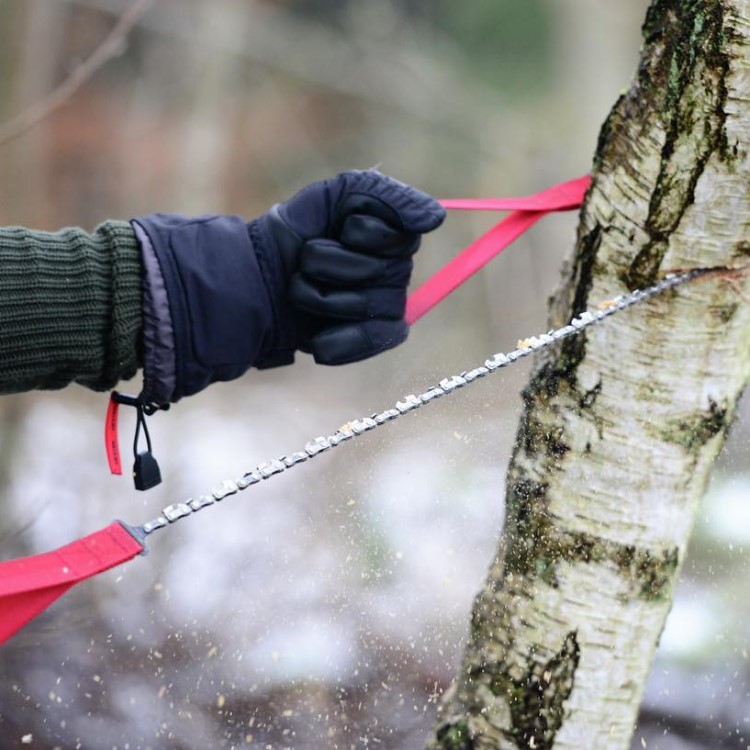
{"type": "Point", "coordinates": [199, 300]}
{"type": "Point", "coordinates": [70, 307]}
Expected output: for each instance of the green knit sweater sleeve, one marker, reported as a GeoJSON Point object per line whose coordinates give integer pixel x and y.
{"type": "Point", "coordinates": [70, 307]}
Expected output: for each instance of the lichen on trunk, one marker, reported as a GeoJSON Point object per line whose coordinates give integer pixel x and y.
{"type": "Point", "coordinates": [621, 423]}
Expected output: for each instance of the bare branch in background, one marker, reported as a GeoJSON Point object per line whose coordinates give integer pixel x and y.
{"type": "Point", "coordinates": [385, 71]}
{"type": "Point", "coordinates": [112, 46]}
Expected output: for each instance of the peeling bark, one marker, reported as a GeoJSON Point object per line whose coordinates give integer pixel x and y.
{"type": "Point", "coordinates": [623, 422]}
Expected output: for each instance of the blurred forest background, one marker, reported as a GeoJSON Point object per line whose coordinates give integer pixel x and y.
{"type": "Point", "coordinates": [328, 608]}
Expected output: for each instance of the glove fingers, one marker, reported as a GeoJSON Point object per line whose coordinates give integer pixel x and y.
{"type": "Point", "coordinates": [416, 211]}
{"type": "Point", "coordinates": [370, 234]}
{"type": "Point", "coordinates": [330, 263]}
{"type": "Point", "coordinates": [320, 209]}
{"type": "Point", "coordinates": [360, 304]}
{"type": "Point", "coordinates": [327, 262]}
{"type": "Point", "coordinates": [346, 246]}
{"type": "Point", "coordinates": [350, 343]}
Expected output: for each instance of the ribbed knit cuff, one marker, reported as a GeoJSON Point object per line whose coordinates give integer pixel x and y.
{"type": "Point", "coordinates": [70, 307]}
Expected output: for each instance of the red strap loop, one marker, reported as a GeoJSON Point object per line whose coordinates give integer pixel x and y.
{"type": "Point", "coordinates": [525, 212]}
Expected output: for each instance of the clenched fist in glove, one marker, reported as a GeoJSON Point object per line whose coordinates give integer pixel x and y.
{"type": "Point", "coordinates": [346, 246]}
{"type": "Point", "coordinates": [325, 272]}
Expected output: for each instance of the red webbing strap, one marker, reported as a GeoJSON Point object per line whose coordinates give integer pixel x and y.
{"type": "Point", "coordinates": [525, 212]}
{"type": "Point", "coordinates": [29, 585]}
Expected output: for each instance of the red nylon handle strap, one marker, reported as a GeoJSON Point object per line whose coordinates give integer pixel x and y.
{"type": "Point", "coordinates": [525, 212]}
{"type": "Point", "coordinates": [29, 585]}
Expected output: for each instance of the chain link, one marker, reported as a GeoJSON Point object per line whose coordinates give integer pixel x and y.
{"type": "Point", "coordinates": [356, 427]}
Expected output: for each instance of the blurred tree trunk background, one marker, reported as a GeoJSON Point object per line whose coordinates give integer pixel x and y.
{"type": "Point", "coordinates": [621, 424]}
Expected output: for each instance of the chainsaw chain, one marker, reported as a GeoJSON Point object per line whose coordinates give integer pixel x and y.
{"type": "Point", "coordinates": [357, 427]}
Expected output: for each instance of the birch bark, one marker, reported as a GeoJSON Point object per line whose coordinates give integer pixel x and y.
{"type": "Point", "coordinates": [622, 423]}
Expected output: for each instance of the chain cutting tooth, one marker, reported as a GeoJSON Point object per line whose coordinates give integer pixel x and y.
{"type": "Point", "coordinates": [318, 445]}
{"type": "Point", "coordinates": [295, 458]}
{"type": "Point", "coordinates": [582, 320]}
{"type": "Point", "coordinates": [176, 511]}
{"type": "Point", "coordinates": [340, 437]}
{"type": "Point", "coordinates": [387, 415]}
{"type": "Point", "coordinates": [344, 433]}
{"type": "Point", "coordinates": [269, 468]}
{"type": "Point", "coordinates": [533, 342]}
{"type": "Point", "coordinates": [450, 384]}
{"type": "Point", "coordinates": [561, 333]}
{"type": "Point", "coordinates": [251, 477]}
{"type": "Point", "coordinates": [477, 372]}
{"type": "Point", "coordinates": [200, 502]}
{"type": "Point", "coordinates": [226, 488]}
{"type": "Point", "coordinates": [362, 425]}
{"type": "Point", "coordinates": [409, 403]}
{"type": "Point", "coordinates": [433, 393]}
{"type": "Point", "coordinates": [157, 523]}
{"type": "Point", "coordinates": [496, 361]}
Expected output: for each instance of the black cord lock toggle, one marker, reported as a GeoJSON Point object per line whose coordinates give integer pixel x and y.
{"type": "Point", "coordinates": [146, 472]}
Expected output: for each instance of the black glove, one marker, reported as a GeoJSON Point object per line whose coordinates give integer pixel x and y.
{"type": "Point", "coordinates": [346, 246]}
{"type": "Point", "coordinates": [325, 272]}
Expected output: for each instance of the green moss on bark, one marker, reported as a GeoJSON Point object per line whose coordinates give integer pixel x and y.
{"type": "Point", "coordinates": [536, 548]}
{"type": "Point", "coordinates": [726, 312]}
{"type": "Point", "coordinates": [653, 572]}
{"type": "Point", "coordinates": [537, 699]}
{"type": "Point", "coordinates": [692, 70]}
{"type": "Point", "coordinates": [454, 737]}
{"type": "Point", "coordinates": [696, 430]}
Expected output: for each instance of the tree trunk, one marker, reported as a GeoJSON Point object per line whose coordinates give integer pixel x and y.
{"type": "Point", "coordinates": [623, 422]}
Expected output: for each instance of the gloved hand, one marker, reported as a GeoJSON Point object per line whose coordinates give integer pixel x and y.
{"type": "Point", "coordinates": [346, 247]}
{"type": "Point", "coordinates": [325, 272]}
